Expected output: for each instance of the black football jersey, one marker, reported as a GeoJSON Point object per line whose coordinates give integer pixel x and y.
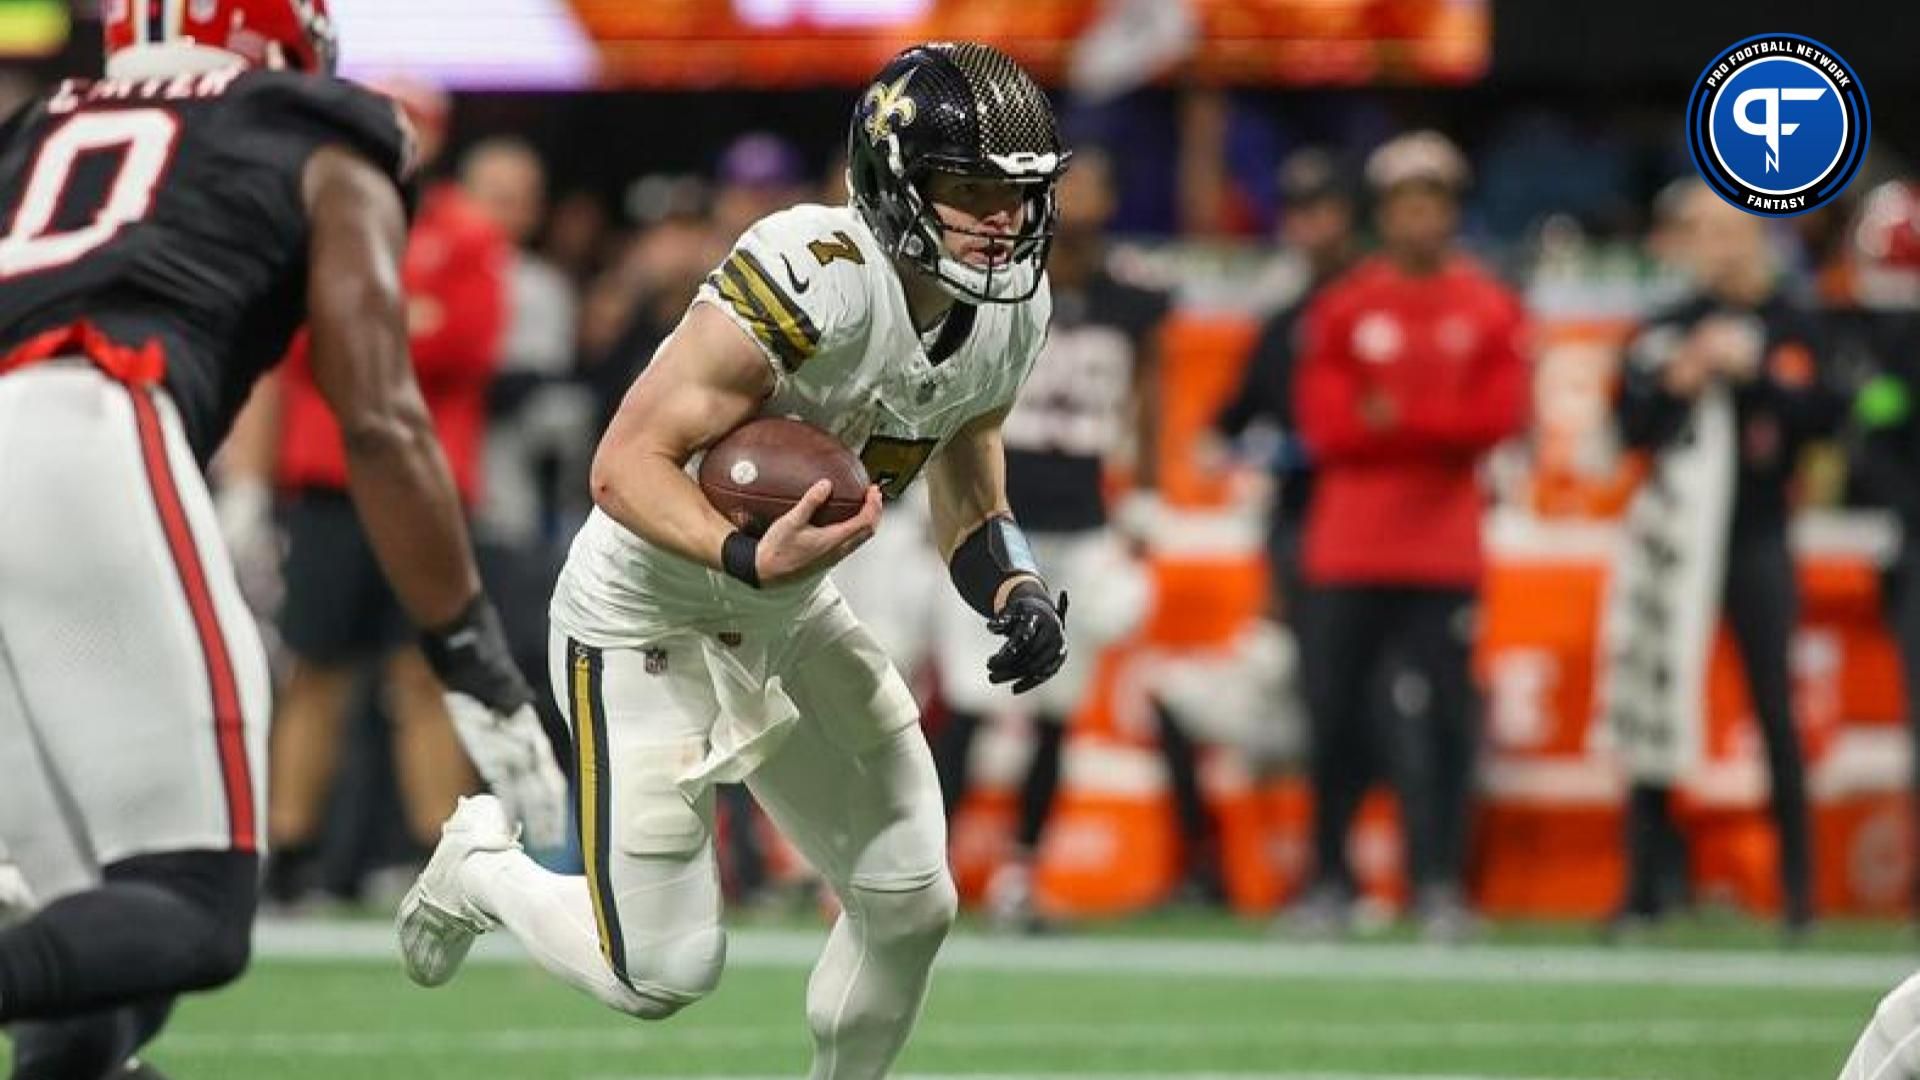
{"type": "Point", "coordinates": [166, 214]}
{"type": "Point", "coordinates": [1073, 413]}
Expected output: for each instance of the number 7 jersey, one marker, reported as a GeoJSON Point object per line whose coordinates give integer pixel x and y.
{"type": "Point", "coordinates": [813, 288]}
{"type": "Point", "coordinates": [158, 225]}
{"type": "Point", "coordinates": [816, 292]}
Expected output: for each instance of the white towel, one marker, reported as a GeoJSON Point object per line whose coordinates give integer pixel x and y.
{"type": "Point", "coordinates": [1663, 600]}
{"type": "Point", "coordinates": [756, 716]}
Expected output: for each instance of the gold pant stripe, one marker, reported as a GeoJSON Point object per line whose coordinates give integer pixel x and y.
{"type": "Point", "coordinates": [596, 795]}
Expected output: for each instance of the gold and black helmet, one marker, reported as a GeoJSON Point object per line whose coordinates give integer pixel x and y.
{"type": "Point", "coordinates": [970, 110]}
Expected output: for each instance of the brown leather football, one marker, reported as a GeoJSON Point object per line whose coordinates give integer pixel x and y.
{"type": "Point", "coordinates": [759, 470]}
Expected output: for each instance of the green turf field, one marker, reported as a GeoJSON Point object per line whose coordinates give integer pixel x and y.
{"type": "Point", "coordinates": [1207, 999]}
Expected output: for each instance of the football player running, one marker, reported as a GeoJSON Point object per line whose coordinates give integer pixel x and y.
{"type": "Point", "coordinates": [168, 228]}
{"type": "Point", "coordinates": [688, 653]}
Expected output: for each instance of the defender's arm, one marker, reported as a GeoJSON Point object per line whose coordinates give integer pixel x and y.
{"type": "Point", "coordinates": [402, 488]}
{"type": "Point", "coordinates": [396, 472]}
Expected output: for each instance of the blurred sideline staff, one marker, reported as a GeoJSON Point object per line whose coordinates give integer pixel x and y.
{"type": "Point", "coordinates": [1412, 371]}
{"type": "Point", "coordinates": [1318, 227]}
{"type": "Point", "coordinates": [1722, 390]}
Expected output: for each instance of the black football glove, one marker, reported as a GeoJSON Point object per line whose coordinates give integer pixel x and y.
{"type": "Point", "coordinates": [1036, 633]}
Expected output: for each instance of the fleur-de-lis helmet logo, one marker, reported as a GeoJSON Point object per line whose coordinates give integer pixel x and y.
{"type": "Point", "coordinates": [888, 108]}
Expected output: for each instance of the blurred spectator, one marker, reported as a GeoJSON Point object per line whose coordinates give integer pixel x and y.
{"type": "Point", "coordinates": [579, 237]}
{"type": "Point", "coordinates": [632, 307]}
{"type": "Point", "coordinates": [1722, 391]}
{"type": "Point", "coordinates": [1885, 246]}
{"type": "Point", "coordinates": [537, 444]}
{"type": "Point", "coordinates": [1318, 227]}
{"type": "Point", "coordinates": [339, 615]}
{"type": "Point", "coordinates": [833, 180]}
{"type": "Point", "coordinates": [1080, 409]}
{"type": "Point", "coordinates": [1411, 372]}
{"type": "Point", "coordinates": [759, 174]}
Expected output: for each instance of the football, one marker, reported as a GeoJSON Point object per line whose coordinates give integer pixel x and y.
{"type": "Point", "coordinates": [759, 470]}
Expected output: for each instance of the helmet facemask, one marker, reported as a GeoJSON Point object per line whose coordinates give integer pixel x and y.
{"type": "Point", "coordinates": [924, 243]}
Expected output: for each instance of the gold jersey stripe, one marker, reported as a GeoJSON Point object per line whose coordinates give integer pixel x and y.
{"type": "Point", "coordinates": [788, 316]}
{"type": "Point", "coordinates": [733, 289]}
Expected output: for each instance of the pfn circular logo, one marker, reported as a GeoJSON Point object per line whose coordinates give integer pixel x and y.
{"type": "Point", "coordinates": [1778, 124]}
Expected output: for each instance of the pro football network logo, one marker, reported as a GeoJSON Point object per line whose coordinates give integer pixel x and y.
{"type": "Point", "coordinates": [1778, 124]}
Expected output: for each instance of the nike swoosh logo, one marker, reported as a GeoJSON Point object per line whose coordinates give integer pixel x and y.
{"type": "Point", "coordinates": [793, 278]}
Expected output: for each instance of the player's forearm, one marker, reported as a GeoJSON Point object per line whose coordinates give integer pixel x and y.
{"type": "Point", "coordinates": [407, 502]}
{"type": "Point", "coordinates": [653, 498]}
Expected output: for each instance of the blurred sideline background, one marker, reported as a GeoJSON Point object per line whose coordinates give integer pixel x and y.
{"type": "Point", "coordinates": [660, 128]}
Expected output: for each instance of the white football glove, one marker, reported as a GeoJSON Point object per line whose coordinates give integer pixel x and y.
{"type": "Point", "coordinates": [492, 710]}
{"type": "Point", "coordinates": [513, 756]}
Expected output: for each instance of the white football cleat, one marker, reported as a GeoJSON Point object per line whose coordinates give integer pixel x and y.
{"type": "Point", "coordinates": [437, 923]}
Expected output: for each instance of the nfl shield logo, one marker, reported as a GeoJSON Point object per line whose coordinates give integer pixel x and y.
{"type": "Point", "coordinates": [656, 661]}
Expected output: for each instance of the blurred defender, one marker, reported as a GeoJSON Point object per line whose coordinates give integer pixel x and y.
{"type": "Point", "coordinates": [689, 653]}
{"type": "Point", "coordinates": [1088, 402]}
{"type": "Point", "coordinates": [169, 227]}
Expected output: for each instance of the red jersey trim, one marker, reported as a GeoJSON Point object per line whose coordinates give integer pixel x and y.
{"type": "Point", "coordinates": [144, 366]}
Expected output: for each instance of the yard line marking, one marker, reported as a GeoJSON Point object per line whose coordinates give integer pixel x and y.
{"type": "Point", "coordinates": [1779, 1031]}
{"type": "Point", "coordinates": [1157, 1075]}
{"type": "Point", "coordinates": [1560, 965]}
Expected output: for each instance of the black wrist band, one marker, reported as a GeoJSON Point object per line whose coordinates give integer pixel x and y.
{"type": "Point", "coordinates": [471, 656]}
{"type": "Point", "coordinates": [983, 562]}
{"type": "Point", "coordinates": [738, 557]}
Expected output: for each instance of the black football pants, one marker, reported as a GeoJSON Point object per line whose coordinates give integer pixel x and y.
{"type": "Point", "coordinates": [1762, 608]}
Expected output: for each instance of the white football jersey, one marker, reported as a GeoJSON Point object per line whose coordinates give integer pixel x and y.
{"type": "Point", "coordinates": [814, 289]}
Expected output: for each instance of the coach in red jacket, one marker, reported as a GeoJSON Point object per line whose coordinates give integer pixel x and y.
{"type": "Point", "coordinates": [1412, 372]}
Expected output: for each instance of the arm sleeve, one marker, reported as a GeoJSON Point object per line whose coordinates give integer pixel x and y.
{"type": "Point", "coordinates": [792, 302]}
